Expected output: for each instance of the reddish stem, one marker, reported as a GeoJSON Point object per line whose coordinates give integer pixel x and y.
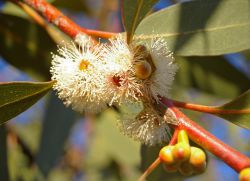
{"type": "Point", "coordinates": [101, 34]}
{"type": "Point", "coordinates": [208, 109]}
{"type": "Point", "coordinates": [205, 139]}
{"type": "Point", "coordinates": [54, 16]}
{"type": "Point", "coordinates": [174, 137]}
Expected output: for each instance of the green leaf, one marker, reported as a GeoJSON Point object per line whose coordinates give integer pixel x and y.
{"type": "Point", "coordinates": [25, 45]}
{"type": "Point", "coordinates": [55, 130]}
{"type": "Point", "coordinates": [241, 103]}
{"type": "Point", "coordinates": [213, 75]}
{"type": "Point", "coordinates": [133, 11]}
{"type": "Point", "coordinates": [16, 97]}
{"type": "Point", "coordinates": [202, 27]}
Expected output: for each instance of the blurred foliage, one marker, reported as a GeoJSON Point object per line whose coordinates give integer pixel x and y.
{"type": "Point", "coordinates": [53, 139]}
{"type": "Point", "coordinates": [27, 47]}
{"type": "Point", "coordinates": [4, 174]}
{"type": "Point", "coordinates": [211, 74]}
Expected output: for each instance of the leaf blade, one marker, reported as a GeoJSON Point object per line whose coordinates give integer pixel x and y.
{"type": "Point", "coordinates": [133, 11]}
{"type": "Point", "coordinates": [241, 103]}
{"type": "Point", "coordinates": [206, 27]}
{"type": "Point", "coordinates": [16, 97]}
{"type": "Point", "coordinates": [53, 138]}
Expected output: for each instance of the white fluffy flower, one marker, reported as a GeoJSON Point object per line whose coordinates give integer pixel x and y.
{"type": "Point", "coordinates": [148, 126]}
{"type": "Point", "coordinates": [123, 85]}
{"type": "Point", "coordinates": [161, 79]}
{"type": "Point", "coordinates": [77, 70]}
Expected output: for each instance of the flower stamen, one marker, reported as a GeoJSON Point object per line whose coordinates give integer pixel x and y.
{"type": "Point", "coordinates": [83, 65]}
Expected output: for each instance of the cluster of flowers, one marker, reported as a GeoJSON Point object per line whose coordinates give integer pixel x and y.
{"type": "Point", "coordinates": [89, 77]}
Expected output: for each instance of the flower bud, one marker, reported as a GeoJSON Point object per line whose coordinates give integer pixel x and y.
{"type": "Point", "coordinates": [166, 155]}
{"type": "Point", "coordinates": [198, 159]}
{"type": "Point", "coordinates": [244, 174]}
{"type": "Point", "coordinates": [186, 169]}
{"type": "Point", "coordinates": [183, 137]}
{"type": "Point", "coordinates": [143, 69]}
{"type": "Point", "coordinates": [170, 168]}
{"type": "Point", "coordinates": [181, 152]}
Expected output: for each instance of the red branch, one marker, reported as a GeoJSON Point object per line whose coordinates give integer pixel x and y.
{"type": "Point", "coordinates": [205, 139]}
{"type": "Point", "coordinates": [53, 15]}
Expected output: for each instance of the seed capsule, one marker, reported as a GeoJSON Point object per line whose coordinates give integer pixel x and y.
{"type": "Point", "coordinates": [166, 155]}
{"type": "Point", "coordinates": [244, 174]}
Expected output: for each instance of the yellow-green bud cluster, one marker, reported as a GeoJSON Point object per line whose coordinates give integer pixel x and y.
{"type": "Point", "coordinates": [186, 159]}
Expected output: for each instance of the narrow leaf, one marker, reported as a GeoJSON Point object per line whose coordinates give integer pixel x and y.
{"type": "Point", "coordinates": [241, 105]}
{"type": "Point", "coordinates": [16, 97]}
{"type": "Point", "coordinates": [56, 126]}
{"type": "Point", "coordinates": [201, 27]}
{"type": "Point", "coordinates": [133, 11]}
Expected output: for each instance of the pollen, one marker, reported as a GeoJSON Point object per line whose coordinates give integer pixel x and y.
{"type": "Point", "coordinates": [84, 65]}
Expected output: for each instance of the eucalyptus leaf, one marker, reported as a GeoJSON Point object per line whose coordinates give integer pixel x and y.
{"type": "Point", "coordinates": [133, 11]}
{"type": "Point", "coordinates": [16, 97]}
{"type": "Point", "coordinates": [241, 103]}
{"type": "Point", "coordinates": [56, 126]}
{"type": "Point", "coordinates": [201, 27]}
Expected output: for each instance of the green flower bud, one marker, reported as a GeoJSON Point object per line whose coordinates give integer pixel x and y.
{"type": "Point", "coordinates": [166, 155]}
{"type": "Point", "coordinates": [198, 159]}
{"type": "Point", "coordinates": [183, 137]}
{"type": "Point", "coordinates": [181, 152]}
{"type": "Point", "coordinates": [186, 169]}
